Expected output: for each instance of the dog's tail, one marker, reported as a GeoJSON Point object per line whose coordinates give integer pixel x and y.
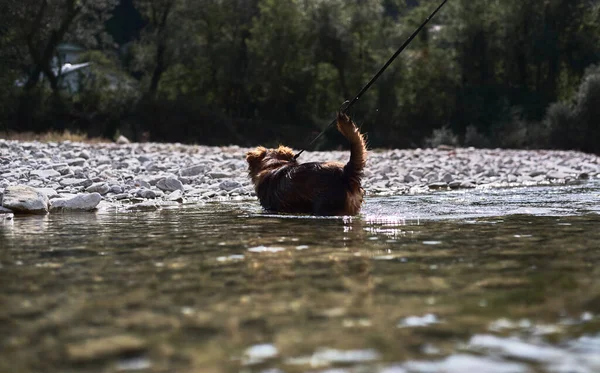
{"type": "Point", "coordinates": [358, 150]}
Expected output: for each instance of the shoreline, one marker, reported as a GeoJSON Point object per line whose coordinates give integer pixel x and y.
{"type": "Point", "coordinates": [145, 176]}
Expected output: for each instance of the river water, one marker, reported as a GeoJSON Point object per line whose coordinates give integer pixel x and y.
{"type": "Point", "coordinates": [498, 280]}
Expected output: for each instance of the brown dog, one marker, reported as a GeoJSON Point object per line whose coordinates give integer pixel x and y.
{"type": "Point", "coordinates": [328, 188]}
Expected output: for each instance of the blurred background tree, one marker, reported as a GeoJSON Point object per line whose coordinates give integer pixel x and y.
{"type": "Point", "coordinates": [513, 73]}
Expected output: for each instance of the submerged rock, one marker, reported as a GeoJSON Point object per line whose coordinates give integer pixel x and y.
{"type": "Point", "coordinates": [4, 210]}
{"type": "Point", "coordinates": [25, 199]}
{"type": "Point", "coordinates": [143, 206]}
{"type": "Point", "coordinates": [101, 348]}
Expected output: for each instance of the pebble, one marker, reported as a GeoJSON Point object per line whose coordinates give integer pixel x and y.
{"type": "Point", "coordinates": [63, 169]}
{"type": "Point", "coordinates": [169, 184]}
{"type": "Point", "coordinates": [105, 347]}
{"type": "Point", "coordinates": [467, 184]}
{"type": "Point", "coordinates": [229, 185]}
{"type": "Point", "coordinates": [219, 175]}
{"type": "Point", "coordinates": [101, 188]}
{"type": "Point", "coordinates": [176, 195]}
{"type": "Point", "coordinates": [160, 173]}
{"type": "Point", "coordinates": [123, 140]}
{"type": "Point", "coordinates": [49, 192]}
{"type": "Point", "coordinates": [81, 202]}
{"type": "Point", "coordinates": [193, 171]}
{"type": "Point", "coordinates": [455, 184]}
{"type": "Point", "coordinates": [25, 199]}
{"type": "Point", "coordinates": [75, 182]}
{"type": "Point", "coordinates": [447, 178]}
{"type": "Point", "coordinates": [76, 162]}
{"type": "Point", "coordinates": [146, 193]}
{"type": "Point", "coordinates": [141, 183]}
{"type": "Point", "coordinates": [4, 210]}
{"type": "Point", "coordinates": [438, 185]}
{"type": "Point", "coordinates": [45, 174]}
{"type": "Point", "coordinates": [117, 189]}
{"type": "Point", "coordinates": [143, 206]}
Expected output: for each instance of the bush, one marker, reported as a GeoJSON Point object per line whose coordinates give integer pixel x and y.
{"type": "Point", "coordinates": [559, 122]}
{"type": "Point", "coordinates": [576, 126]}
{"type": "Point", "coordinates": [441, 136]}
{"type": "Point", "coordinates": [475, 138]}
{"type": "Point", "coordinates": [511, 131]}
{"type": "Point", "coordinates": [587, 110]}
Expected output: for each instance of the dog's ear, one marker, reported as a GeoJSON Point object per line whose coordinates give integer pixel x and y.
{"type": "Point", "coordinates": [284, 153]}
{"type": "Point", "coordinates": [254, 157]}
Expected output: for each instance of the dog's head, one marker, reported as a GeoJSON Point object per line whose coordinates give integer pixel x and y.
{"type": "Point", "coordinates": [262, 158]}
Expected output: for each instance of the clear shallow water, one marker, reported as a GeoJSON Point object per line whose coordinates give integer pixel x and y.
{"type": "Point", "coordinates": [502, 280]}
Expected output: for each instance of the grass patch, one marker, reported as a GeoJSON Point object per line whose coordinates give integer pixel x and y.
{"type": "Point", "coordinates": [52, 136]}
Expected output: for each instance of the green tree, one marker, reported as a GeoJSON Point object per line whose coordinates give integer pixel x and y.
{"type": "Point", "coordinates": [42, 25]}
{"type": "Point", "coordinates": [279, 47]}
{"type": "Point", "coordinates": [155, 45]}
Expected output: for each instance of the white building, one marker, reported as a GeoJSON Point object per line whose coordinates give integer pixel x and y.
{"type": "Point", "coordinates": [65, 67]}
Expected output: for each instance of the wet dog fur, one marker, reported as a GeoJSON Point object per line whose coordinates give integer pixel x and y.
{"type": "Point", "coordinates": [320, 188]}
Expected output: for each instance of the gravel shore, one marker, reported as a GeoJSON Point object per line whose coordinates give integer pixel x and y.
{"type": "Point", "coordinates": [40, 177]}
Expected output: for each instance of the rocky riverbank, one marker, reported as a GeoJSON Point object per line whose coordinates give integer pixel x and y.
{"type": "Point", "coordinates": [41, 177]}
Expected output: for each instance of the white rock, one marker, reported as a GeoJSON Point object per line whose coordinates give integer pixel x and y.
{"type": "Point", "coordinates": [62, 168]}
{"type": "Point", "coordinates": [25, 199]}
{"type": "Point", "coordinates": [101, 188]}
{"type": "Point", "coordinates": [193, 171]}
{"type": "Point", "coordinates": [141, 183]}
{"type": "Point", "coordinates": [409, 179]}
{"type": "Point", "coordinates": [45, 174]}
{"type": "Point", "coordinates": [169, 184]}
{"type": "Point", "coordinates": [557, 175]}
{"type": "Point", "coordinates": [123, 140]}
{"type": "Point", "coordinates": [229, 185]}
{"type": "Point", "coordinates": [146, 193]}
{"type": "Point", "coordinates": [75, 182]}
{"type": "Point", "coordinates": [117, 189]}
{"type": "Point", "coordinates": [49, 192]}
{"type": "Point", "coordinates": [219, 175]}
{"type": "Point", "coordinates": [176, 196]}
{"type": "Point", "coordinates": [144, 206]}
{"type": "Point", "coordinates": [81, 202]}
{"type": "Point", "coordinates": [76, 162]}
{"type": "Point", "coordinates": [447, 178]}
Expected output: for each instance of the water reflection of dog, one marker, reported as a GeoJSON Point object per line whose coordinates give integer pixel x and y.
{"type": "Point", "coordinates": [322, 188]}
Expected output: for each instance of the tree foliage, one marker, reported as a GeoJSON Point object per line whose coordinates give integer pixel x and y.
{"type": "Point", "coordinates": [495, 73]}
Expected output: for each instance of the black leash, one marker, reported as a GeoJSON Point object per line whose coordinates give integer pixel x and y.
{"type": "Point", "coordinates": [348, 104]}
